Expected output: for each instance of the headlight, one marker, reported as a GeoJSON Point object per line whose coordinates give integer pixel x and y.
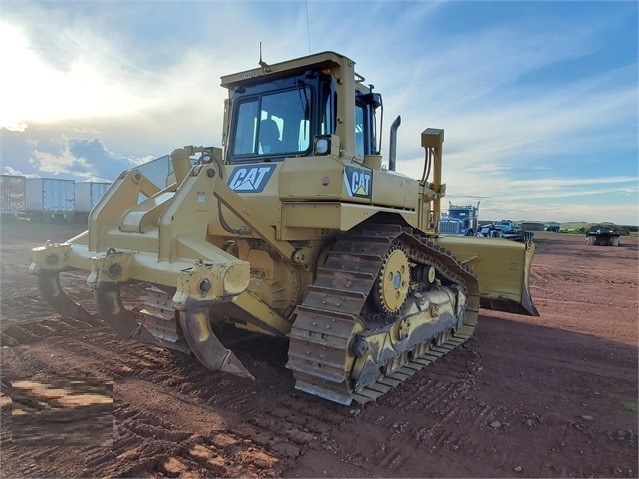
{"type": "Point", "coordinates": [326, 145]}
{"type": "Point", "coordinates": [322, 146]}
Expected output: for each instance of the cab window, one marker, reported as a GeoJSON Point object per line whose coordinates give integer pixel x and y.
{"type": "Point", "coordinates": [273, 124]}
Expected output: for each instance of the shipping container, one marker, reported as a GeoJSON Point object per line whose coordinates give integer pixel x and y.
{"type": "Point", "coordinates": [12, 195]}
{"type": "Point", "coordinates": [87, 194]}
{"type": "Point", "coordinates": [50, 197]}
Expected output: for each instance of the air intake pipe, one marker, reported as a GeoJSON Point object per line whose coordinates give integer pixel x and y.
{"type": "Point", "coordinates": [392, 146]}
{"type": "Point", "coordinates": [182, 163]}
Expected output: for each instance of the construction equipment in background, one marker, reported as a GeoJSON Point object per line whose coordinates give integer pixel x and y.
{"type": "Point", "coordinates": [293, 229]}
{"type": "Point", "coordinates": [506, 229]}
{"type": "Point", "coordinates": [602, 236]}
{"type": "Point", "coordinates": [554, 227]}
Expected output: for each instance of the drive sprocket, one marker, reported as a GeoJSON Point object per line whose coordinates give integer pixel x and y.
{"type": "Point", "coordinates": [391, 286]}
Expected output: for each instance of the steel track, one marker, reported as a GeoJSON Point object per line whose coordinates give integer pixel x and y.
{"type": "Point", "coordinates": [331, 314]}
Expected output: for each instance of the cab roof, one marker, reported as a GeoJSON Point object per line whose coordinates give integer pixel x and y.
{"type": "Point", "coordinates": [320, 61]}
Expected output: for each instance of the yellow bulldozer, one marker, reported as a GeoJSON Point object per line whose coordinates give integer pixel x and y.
{"type": "Point", "coordinates": [294, 228]}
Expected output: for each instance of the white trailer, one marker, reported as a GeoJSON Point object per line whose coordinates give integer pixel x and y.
{"type": "Point", "coordinates": [87, 194]}
{"type": "Point", "coordinates": [50, 198]}
{"type": "Point", "coordinates": [12, 195]}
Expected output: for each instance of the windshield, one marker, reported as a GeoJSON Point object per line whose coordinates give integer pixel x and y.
{"type": "Point", "coordinates": [458, 213]}
{"type": "Point", "coordinates": [273, 124]}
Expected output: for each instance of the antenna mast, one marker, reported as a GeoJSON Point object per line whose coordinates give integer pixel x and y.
{"type": "Point", "coordinates": [265, 66]}
{"type": "Point", "coordinates": [308, 29]}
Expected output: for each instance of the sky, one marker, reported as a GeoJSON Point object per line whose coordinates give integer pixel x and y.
{"type": "Point", "coordinates": [538, 100]}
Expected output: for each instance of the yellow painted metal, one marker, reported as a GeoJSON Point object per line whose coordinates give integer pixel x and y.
{"type": "Point", "coordinates": [121, 195]}
{"type": "Point", "coordinates": [261, 315]}
{"type": "Point", "coordinates": [432, 142]}
{"type": "Point", "coordinates": [333, 215]}
{"type": "Point", "coordinates": [251, 217]}
{"type": "Point", "coordinates": [393, 281]}
{"type": "Point", "coordinates": [342, 70]}
{"type": "Point", "coordinates": [251, 257]}
{"type": "Point", "coordinates": [502, 266]}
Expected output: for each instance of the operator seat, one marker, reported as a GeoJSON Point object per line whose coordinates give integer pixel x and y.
{"type": "Point", "coordinates": [270, 137]}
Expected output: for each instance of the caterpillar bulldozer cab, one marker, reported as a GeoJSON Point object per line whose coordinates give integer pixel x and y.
{"type": "Point", "coordinates": [294, 228]}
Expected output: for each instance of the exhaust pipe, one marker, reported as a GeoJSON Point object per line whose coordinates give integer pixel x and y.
{"type": "Point", "coordinates": [392, 147]}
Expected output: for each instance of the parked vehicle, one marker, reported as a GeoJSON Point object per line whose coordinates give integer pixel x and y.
{"type": "Point", "coordinates": [45, 199]}
{"type": "Point", "coordinates": [506, 226]}
{"type": "Point", "coordinates": [87, 195]}
{"type": "Point", "coordinates": [603, 237]}
{"type": "Point", "coordinates": [507, 229]}
{"type": "Point", "coordinates": [12, 195]}
{"type": "Point", "coordinates": [461, 220]}
{"type": "Point", "coordinates": [553, 226]}
{"type": "Point", "coordinates": [50, 198]}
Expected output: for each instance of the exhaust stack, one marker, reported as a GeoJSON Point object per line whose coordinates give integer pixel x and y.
{"type": "Point", "coordinates": [392, 147]}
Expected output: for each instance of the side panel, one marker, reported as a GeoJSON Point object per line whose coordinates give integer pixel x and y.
{"type": "Point", "coordinates": [395, 190]}
{"type": "Point", "coordinates": [327, 178]}
{"type": "Point", "coordinates": [35, 192]}
{"type": "Point", "coordinates": [50, 195]}
{"type": "Point", "coordinates": [59, 196]}
{"type": "Point", "coordinates": [316, 216]}
{"type": "Point", "coordinates": [257, 184]}
{"type": "Point", "coordinates": [83, 197]}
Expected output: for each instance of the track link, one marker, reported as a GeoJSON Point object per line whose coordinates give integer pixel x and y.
{"type": "Point", "coordinates": [331, 315]}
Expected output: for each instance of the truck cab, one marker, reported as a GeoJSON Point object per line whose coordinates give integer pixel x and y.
{"type": "Point", "coordinates": [461, 220]}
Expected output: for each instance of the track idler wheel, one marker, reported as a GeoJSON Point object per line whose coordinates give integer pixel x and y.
{"type": "Point", "coordinates": [205, 345]}
{"type": "Point", "coordinates": [49, 283]}
{"type": "Point", "coordinates": [119, 319]}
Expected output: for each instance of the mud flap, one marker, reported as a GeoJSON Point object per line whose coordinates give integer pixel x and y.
{"type": "Point", "coordinates": [49, 283]}
{"type": "Point", "coordinates": [118, 318]}
{"type": "Point", "coordinates": [205, 345]}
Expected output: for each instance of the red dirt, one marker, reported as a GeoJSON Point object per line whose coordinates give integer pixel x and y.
{"type": "Point", "coordinates": [554, 395]}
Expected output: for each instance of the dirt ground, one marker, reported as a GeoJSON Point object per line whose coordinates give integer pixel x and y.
{"type": "Point", "coordinates": [550, 396]}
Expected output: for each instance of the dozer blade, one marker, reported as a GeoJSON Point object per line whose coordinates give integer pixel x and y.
{"type": "Point", "coordinates": [49, 283]}
{"type": "Point", "coordinates": [119, 319]}
{"type": "Point", "coordinates": [502, 268]}
{"type": "Point", "coordinates": [205, 345]}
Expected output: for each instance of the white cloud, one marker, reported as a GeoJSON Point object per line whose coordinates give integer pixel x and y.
{"type": "Point", "coordinates": [84, 68]}
{"type": "Point", "coordinates": [8, 170]}
{"type": "Point", "coordinates": [88, 160]}
{"type": "Point", "coordinates": [64, 163]}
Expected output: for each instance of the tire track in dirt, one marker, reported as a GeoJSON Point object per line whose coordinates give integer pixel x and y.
{"type": "Point", "coordinates": [208, 424]}
{"type": "Point", "coordinates": [418, 416]}
{"type": "Point", "coordinates": [227, 445]}
{"type": "Point", "coordinates": [33, 331]}
{"type": "Point", "coordinates": [266, 424]}
{"type": "Point", "coordinates": [24, 307]}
